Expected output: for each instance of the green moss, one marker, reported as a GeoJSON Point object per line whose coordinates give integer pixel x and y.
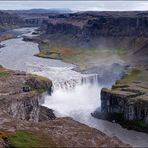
{"type": "Point", "coordinates": [22, 140]}
{"type": "Point", "coordinates": [82, 57]}
{"type": "Point", "coordinates": [4, 74]}
{"type": "Point", "coordinates": [132, 75]}
{"type": "Point", "coordinates": [48, 54]}
{"type": "Point", "coordinates": [116, 86]}
{"type": "Point", "coordinates": [25, 139]}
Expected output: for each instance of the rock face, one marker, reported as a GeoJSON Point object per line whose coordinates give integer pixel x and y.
{"type": "Point", "coordinates": [20, 94]}
{"type": "Point", "coordinates": [127, 102]}
{"type": "Point", "coordinates": [33, 22]}
{"type": "Point", "coordinates": [61, 132]}
{"type": "Point", "coordinates": [94, 24]}
{"type": "Point", "coordinates": [99, 30]}
{"type": "Point", "coordinates": [89, 25]}
{"type": "Point", "coordinates": [8, 21]}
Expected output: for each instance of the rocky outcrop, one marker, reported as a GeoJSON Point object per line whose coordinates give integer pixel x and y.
{"type": "Point", "coordinates": [99, 30]}
{"type": "Point", "coordinates": [46, 114]}
{"type": "Point", "coordinates": [61, 132]}
{"type": "Point", "coordinates": [20, 94]}
{"type": "Point", "coordinates": [130, 103]}
{"type": "Point", "coordinates": [33, 22]}
{"type": "Point", "coordinates": [9, 21]}
{"type": "Point", "coordinates": [94, 24]}
{"type": "Point", "coordinates": [16, 19]}
{"type": "Point", "coordinates": [1, 46]}
{"type": "Point", "coordinates": [127, 102]}
{"type": "Point", "coordinates": [63, 28]}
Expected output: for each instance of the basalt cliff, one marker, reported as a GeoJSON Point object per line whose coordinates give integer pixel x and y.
{"type": "Point", "coordinates": [9, 21]}
{"type": "Point", "coordinates": [99, 29]}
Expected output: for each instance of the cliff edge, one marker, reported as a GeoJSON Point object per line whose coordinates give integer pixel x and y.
{"type": "Point", "coordinates": [127, 101]}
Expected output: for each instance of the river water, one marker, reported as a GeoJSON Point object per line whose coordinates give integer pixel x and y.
{"type": "Point", "coordinates": [74, 94]}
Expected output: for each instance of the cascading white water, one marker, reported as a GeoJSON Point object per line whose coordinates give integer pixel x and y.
{"type": "Point", "coordinates": [78, 101]}
{"type": "Point", "coordinates": [90, 79]}
{"type": "Point", "coordinates": [74, 94]}
{"type": "Point", "coordinates": [63, 78]}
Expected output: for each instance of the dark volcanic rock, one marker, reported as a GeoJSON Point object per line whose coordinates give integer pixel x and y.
{"type": "Point", "coordinates": [127, 102]}
{"type": "Point", "coordinates": [1, 46]}
{"type": "Point", "coordinates": [46, 114]}
{"type": "Point", "coordinates": [99, 24]}
{"type": "Point", "coordinates": [8, 21]}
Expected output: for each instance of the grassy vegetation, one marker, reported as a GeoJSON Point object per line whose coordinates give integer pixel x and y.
{"type": "Point", "coordinates": [38, 83]}
{"type": "Point", "coordinates": [134, 75]}
{"type": "Point", "coordinates": [77, 56]}
{"type": "Point", "coordinates": [25, 139]}
{"type": "Point", "coordinates": [49, 54]}
{"type": "Point", "coordinates": [3, 74]}
{"type": "Point", "coordinates": [22, 140]}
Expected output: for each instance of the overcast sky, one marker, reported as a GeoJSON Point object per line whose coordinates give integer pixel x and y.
{"type": "Point", "coordinates": [77, 5]}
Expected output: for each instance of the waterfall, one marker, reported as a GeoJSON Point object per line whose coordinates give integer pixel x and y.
{"type": "Point", "coordinates": [72, 83]}
{"type": "Point", "coordinates": [64, 77]}
{"type": "Point", "coordinates": [90, 79]}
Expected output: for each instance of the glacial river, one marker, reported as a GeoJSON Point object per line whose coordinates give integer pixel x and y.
{"type": "Point", "coordinates": [74, 94]}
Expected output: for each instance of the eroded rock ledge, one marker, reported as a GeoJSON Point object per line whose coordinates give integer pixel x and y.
{"type": "Point", "coordinates": [24, 122]}
{"type": "Point", "coordinates": [127, 101]}
{"type": "Point", "coordinates": [20, 94]}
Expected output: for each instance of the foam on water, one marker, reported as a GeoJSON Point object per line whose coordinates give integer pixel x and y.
{"type": "Point", "coordinates": [82, 99]}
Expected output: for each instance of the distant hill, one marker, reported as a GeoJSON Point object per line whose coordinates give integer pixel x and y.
{"type": "Point", "coordinates": [42, 11]}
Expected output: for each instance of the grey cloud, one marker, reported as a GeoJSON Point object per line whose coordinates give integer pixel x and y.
{"type": "Point", "coordinates": [77, 5]}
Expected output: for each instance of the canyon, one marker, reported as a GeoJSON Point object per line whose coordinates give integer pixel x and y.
{"type": "Point", "coordinates": [22, 110]}
{"type": "Point", "coordinates": [120, 38]}
{"type": "Point", "coordinates": [123, 31]}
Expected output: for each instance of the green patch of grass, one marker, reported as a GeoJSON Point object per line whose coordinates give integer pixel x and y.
{"type": "Point", "coordinates": [119, 51]}
{"type": "Point", "coordinates": [78, 56]}
{"type": "Point", "coordinates": [116, 86]}
{"type": "Point", "coordinates": [24, 139]}
{"type": "Point", "coordinates": [133, 74]}
{"type": "Point", "coordinates": [3, 74]}
{"type": "Point", "coordinates": [49, 54]}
